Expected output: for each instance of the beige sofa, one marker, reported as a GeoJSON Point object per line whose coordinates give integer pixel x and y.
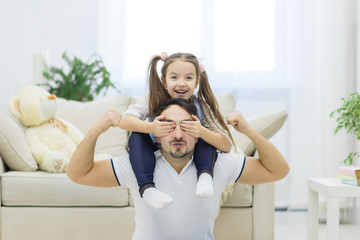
{"type": "Point", "coordinates": [42, 206]}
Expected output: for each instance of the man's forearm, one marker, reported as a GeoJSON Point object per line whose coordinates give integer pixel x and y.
{"type": "Point", "coordinates": [82, 159]}
{"type": "Point", "coordinates": [269, 156]}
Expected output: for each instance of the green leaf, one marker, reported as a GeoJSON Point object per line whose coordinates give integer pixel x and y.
{"type": "Point", "coordinates": [351, 158]}
{"type": "Point", "coordinates": [82, 82]}
{"type": "Point", "coordinates": [347, 117]}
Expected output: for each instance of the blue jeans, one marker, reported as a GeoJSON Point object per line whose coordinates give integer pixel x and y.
{"type": "Point", "coordinates": [142, 158]}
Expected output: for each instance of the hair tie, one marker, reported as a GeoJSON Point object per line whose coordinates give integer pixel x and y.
{"type": "Point", "coordinates": [164, 56]}
{"type": "Point", "coordinates": [201, 68]}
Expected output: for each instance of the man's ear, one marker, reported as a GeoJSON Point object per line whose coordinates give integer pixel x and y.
{"type": "Point", "coordinates": [163, 80]}
{"type": "Point", "coordinates": [158, 139]}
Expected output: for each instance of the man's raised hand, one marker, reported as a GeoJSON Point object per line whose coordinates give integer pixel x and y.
{"type": "Point", "coordinates": [111, 118]}
{"type": "Point", "coordinates": [236, 119]}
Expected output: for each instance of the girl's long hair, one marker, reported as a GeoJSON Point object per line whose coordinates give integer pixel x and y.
{"type": "Point", "coordinates": [158, 95]}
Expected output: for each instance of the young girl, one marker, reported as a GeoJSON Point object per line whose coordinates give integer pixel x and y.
{"type": "Point", "coordinates": [181, 74]}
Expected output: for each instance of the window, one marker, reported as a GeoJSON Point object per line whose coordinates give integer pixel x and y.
{"type": "Point", "coordinates": [159, 26]}
{"type": "Point", "coordinates": [244, 34]}
{"type": "Point", "coordinates": [240, 42]}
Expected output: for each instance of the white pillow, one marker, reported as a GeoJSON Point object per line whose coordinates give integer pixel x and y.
{"type": "Point", "coordinates": [85, 114]}
{"type": "Point", "coordinates": [266, 125]}
{"type": "Point", "coordinates": [14, 148]}
{"type": "Point", "coordinates": [226, 103]}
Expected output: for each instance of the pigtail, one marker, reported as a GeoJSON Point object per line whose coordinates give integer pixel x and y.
{"type": "Point", "coordinates": [210, 107]}
{"type": "Point", "coordinates": [157, 92]}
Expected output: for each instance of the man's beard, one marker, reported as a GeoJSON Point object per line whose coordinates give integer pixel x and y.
{"type": "Point", "coordinates": [178, 153]}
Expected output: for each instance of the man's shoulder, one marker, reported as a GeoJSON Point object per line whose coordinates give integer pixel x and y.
{"type": "Point", "coordinates": [231, 164]}
{"type": "Point", "coordinates": [229, 156]}
{"type": "Point", "coordinates": [123, 171]}
{"type": "Point", "coordinates": [230, 160]}
{"type": "Point", "coordinates": [122, 157]}
{"type": "Point", "coordinates": [121, 161]}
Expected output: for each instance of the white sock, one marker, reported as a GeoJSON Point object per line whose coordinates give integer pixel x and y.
{"type": "Point", "coordinates": [156, 199]}
{"type": "Point", "coordinates": [204, 187]}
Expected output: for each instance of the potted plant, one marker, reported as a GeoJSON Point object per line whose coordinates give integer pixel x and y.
{"type": "Point", "coordinates": [348, 118]}
{"type": "Point", "coordinates": [82, 82]}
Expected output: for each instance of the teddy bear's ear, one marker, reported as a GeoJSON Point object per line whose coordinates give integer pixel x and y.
{"type": "Point", "coordinates": [13, 106]}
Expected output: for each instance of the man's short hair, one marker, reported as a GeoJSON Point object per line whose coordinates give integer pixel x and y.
{"type": "Point", "coordinates": [185, 104]}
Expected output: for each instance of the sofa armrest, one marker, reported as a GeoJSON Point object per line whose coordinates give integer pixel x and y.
{"type": "Point", "coordinates": [2, 170]}
{"type": "Point", "coordinates": [263, 211]}
{"type": "Point", "coordinates": [2, 166]}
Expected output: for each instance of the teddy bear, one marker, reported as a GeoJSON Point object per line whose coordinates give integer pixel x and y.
{"type": "Point", "coordinates": [52, 140]}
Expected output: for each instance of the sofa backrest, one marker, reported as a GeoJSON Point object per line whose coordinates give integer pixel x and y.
{"type": "Point", "coordinates": [85, 114]}
{"type": "Point", "coordinates": [16, 154]}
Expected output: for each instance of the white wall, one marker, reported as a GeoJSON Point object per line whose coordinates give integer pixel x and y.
{"type": "Point", "coordinates": [54, 26]}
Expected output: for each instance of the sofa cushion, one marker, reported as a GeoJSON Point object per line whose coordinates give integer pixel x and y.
{"type": "Point", "coordinates": [85, 114]}
{"type": "Point", "coordinates": [14, 149]}
{"type": "Point", "coordinates": [226, 103]}
{"type": "Point", "coordinates": [49, 189]}
{"type": "Point", "coordinates": [237, 194]}
{"type": "Point", "coordinates": [266, 125]}
{"type": "Point", "coordinates": [241, 196]}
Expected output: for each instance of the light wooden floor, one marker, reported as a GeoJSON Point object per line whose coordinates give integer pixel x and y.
{"type": "Point", "coordinates": [293, 225]}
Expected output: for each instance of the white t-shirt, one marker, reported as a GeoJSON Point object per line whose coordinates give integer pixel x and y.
{"type": "Point", "coordinates": [189, 216]}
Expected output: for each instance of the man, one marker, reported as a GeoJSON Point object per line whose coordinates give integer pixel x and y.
{"type": "Point", "coordinates": [189, 216]}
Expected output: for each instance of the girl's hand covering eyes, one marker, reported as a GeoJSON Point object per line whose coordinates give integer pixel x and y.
{"type": "Point", "coordinates": [162, 128]}
{"type": "Point", "coordinates": [193, 128]}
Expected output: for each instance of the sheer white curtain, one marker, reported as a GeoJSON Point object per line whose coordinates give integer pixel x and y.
{"type": "Point", "coordinates": [131, 32]}
{"type": "Point", "coordinates": [237, 48]}
{"type": "Point", "coordinates": [321, 66]}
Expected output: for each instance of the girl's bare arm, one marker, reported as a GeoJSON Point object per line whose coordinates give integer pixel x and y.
{"type": "Point", "coordinates": [195, 129]}
{"type": "Point", "coordinates": [157, 127]}
{"type": "Point", "coordinates": [218, 140]}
